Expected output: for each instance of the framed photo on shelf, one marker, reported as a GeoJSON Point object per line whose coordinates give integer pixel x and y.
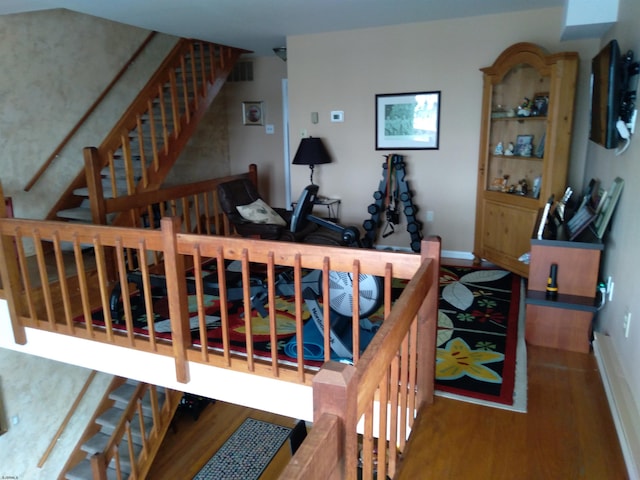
{"type": "Point", "coordinates": [524, 145]}
{"type": "Point", "coordinates": [408, 121]}
{"type": "Point", "coordinates": [540, 104]}
{"type": "Point", "coordinates": [253, 113]}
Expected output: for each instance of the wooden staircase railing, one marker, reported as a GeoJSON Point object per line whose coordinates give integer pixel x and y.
{"type": "Point", "coordinates": [145, 143]}
{"type": "Point", "coordinates": [383, 392]}
{"type": "Point", "coordinates": [149, 412]}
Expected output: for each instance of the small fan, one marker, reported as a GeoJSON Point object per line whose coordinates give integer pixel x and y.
{"type": "Point", "coordinates": [341, 293]}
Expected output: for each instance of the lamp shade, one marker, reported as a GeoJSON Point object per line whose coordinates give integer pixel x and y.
{"type": "Point", "coordinates": [311, 152]}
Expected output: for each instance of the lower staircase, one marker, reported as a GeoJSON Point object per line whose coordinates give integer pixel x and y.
{"type": "Point", "coordinates": [125, 432]}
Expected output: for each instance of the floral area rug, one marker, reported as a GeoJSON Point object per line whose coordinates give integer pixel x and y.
{"type": "Point", "coordinates": [478, 333]}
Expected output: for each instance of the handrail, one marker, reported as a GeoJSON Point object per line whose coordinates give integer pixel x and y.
{"type": "Point", "coordinates": [65, 422]}
{"type": "Point", "coordinates": [89, 111]}
{"type": "Point", "coordinates": [389, 375]}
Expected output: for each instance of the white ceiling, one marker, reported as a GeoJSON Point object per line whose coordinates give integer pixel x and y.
{"type": "Point", "coordinates": [261, 25]}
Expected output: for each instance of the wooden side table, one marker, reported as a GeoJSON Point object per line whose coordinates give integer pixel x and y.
{"type": "Point", "coordinates": [563, 321]}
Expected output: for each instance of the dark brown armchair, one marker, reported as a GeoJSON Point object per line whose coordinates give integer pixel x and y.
{"type": "Point", "coordinates": [265, 225]}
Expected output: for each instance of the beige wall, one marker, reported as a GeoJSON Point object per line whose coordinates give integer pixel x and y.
{"type": "Point", "coordinates": [345, 70]}
{"type": "Point", "coordinates": [621, 256]}
{"type": "Point", "coordinates": [250, 143]}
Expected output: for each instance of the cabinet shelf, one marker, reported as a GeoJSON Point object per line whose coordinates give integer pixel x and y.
{"type": "Point", "coordinates": [565, 301]}
{"type": "Point", "coordinates": [516, 157]}
{"type": "Point", "coordinates": [519, 119]}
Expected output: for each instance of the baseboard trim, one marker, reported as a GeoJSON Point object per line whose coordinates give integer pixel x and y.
{"type": "Point", "coordinates": [623, 409]}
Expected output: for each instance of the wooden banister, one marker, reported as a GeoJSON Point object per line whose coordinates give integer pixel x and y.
{"type": "Point", "coordinates": [89, 111]}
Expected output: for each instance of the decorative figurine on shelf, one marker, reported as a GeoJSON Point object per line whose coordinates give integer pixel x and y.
{"type": "Point", "coordinates": [510, 150]}
{"type": "Point", "coordinates": [522, 188]}
{"type": "Point", "coordinates": [525, 151]}
{"type": "Point", "coordinates": [524, 110]}
{"type": "Point", "coordinates": [499, 149]}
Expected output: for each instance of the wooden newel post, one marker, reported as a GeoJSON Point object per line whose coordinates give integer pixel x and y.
{"type": "Point", "coordinates": [177, 296]}
{"type": "Point", "coordinates": [10, 274]}
{"type": "Point", "coordinates": [98, 466]}
{"type": "Point", "coordinates": [335, 392]}
{"type": "Point", "coordinates": [427, 324]}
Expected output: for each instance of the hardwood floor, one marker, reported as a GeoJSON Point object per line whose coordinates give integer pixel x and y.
{"type": "Point", "coordinates": [567, 432]}
{"type": "Point", "coordinates": [191, 443]}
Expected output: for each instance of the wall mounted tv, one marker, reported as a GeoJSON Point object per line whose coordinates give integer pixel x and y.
{"type": "Point", "coordinates": [613, 94]}
{"type": "Point", "coordinates": [605, 95]}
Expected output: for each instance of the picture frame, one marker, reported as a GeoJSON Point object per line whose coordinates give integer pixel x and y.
{"type": "Point", "coordinates": [540, 104]}
{"type": "Point", "coordinates": [524, 145]}
{"type": "Point", "coordinates": [407, 121]}
{"type": "Point", "coordinates": [253, 113]}
{"type": "Point", "coordinates": [607, 207]}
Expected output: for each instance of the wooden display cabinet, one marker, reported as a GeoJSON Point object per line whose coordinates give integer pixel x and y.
{"type": "Point", "coordinates": [564, 321]}
{"type": "Point", "coordinates": [507, 202]}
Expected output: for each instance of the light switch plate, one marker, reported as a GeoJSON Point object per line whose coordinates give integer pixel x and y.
{"type": "Point", "coordinates": [337, 116]}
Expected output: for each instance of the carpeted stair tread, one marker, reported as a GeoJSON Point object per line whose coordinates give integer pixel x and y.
{"type": "Point", "coordinates": [123, 394]}
{"type": "Point", "coordinates": [82, 471]}
{"type": "Point", "coordinates": [96, 444]}
{"type": "Point", "coordinates": [99, 442]}
{"type": "Point", "coordinates": [109, 420]}
{"type": "Point", "coordinates": [78, 213]}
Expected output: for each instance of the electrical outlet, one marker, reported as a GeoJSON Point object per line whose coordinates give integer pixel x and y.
{"type": "Point", "coordinates": [626, 324]}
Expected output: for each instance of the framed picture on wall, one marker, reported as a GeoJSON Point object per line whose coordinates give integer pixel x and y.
{"type": "Point", "coordinates": [408, 121]}
{"type": "Point", "coordinates": [253, 113]}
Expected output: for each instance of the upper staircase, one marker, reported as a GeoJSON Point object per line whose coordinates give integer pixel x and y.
{"type": "Point", "coordinates": [145, 143]}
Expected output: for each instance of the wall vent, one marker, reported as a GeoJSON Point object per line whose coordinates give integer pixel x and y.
{"type": "Point", "coordinates": [242, 72]}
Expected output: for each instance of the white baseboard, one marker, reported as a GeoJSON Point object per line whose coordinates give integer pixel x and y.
{"type": "Point", "coordinates": [623, 409]}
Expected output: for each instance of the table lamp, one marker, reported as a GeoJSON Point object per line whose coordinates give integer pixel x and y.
{"type": "Point", "coordinates": [311, 152]}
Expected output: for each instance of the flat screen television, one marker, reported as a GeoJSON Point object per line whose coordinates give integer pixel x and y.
{"type": "Point", "coordinates": [606, 91]}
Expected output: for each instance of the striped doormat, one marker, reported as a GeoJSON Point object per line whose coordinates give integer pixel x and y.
{"type": "Point", "coordinates": [246, 453]}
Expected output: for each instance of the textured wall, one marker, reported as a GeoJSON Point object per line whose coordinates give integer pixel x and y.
{"type": "Point", "coordinates": [55, 64]}
{"type": "Point", "coordinates": [38, 393]}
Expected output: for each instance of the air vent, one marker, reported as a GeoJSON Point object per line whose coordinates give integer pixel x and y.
{"type": "Point", "coordinates": [242, 72]}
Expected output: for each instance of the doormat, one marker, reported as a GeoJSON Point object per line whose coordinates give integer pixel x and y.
{"type": "Point", "coordinates": [481, 352]}
{"type": "Point", "coordinates": [246, 453]}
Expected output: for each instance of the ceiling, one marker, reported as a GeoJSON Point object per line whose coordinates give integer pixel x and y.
{"type": "Point", "coordinates": [261, 25]}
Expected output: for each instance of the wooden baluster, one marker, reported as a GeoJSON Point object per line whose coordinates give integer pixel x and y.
{"type": "Point", "coordinates": [224, 305]}
{"type": "Point", "coordinates": [83, 285]}
{"type": "Point", "coordinates": [141, 152]}
{"type": "Point", "coordinates": [185, 90]}
{"type": "Point", "coordinates": [248, 313]}
{"type": "Point", "coordinates": [175, 107]}
{"type": "Point", "coordinates": [153, 133]}
{"type": "Point", "coordinates": [163, 117]}
{"type": "Point", "coordinates": [273, 325]}
{"type": "Point", "coordinates": [62, 279]}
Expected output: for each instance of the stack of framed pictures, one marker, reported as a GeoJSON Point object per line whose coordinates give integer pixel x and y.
{"type": "Point", "coordinates": [581, 220]}
{"type": "Point", "coordinates": [606, 206]}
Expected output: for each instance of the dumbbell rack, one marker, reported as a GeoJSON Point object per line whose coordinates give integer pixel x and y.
{"type": "Point", "coordinates": [393, 171]}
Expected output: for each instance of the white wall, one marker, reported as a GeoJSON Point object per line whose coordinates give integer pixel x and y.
{"type": "Point", "coordinates": [345, 70]}
{"type": "Point", "coordinates": [621, 255]}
